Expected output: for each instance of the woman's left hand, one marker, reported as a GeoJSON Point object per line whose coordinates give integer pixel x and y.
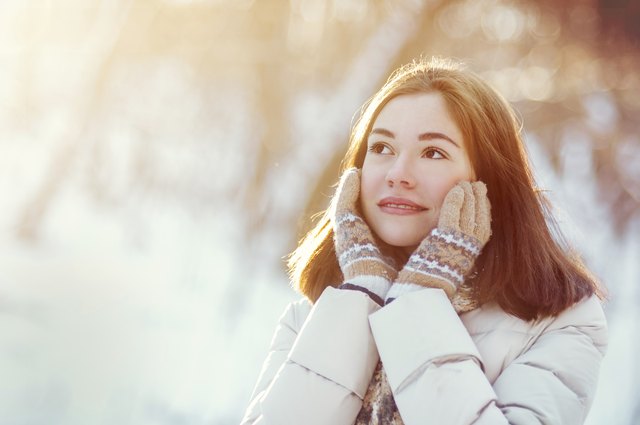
{"type": "Point", "coordinates": [447, 254]}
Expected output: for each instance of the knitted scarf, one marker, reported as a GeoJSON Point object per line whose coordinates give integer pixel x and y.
{"type": "Point", "coordinates": [378, 405]}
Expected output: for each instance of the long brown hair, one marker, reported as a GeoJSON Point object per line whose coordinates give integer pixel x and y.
{"type": "Point", "coordinates": [526, 267]}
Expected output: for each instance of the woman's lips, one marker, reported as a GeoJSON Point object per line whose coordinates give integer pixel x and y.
{"type": "Point", "coordinates": [400, 206]}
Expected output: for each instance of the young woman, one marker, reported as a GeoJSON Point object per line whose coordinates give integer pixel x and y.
{"type": "Point", "coordinates": [438, 288]}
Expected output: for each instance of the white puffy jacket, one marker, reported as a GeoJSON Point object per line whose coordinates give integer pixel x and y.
{"type": "Point", "coordinates": [482, 367]}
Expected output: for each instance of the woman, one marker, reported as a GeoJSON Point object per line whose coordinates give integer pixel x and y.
{"type": "Point", "coordinates": [438, 288]}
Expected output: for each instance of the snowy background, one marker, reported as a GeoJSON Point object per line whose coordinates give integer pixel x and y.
{"type": "Point", "coordinates": [159, 158]}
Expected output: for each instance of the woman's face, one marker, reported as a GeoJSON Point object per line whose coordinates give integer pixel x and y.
{"type": "Point", "coordinates": [415, 155]}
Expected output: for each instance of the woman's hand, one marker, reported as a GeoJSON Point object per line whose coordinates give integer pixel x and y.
{"type": "Point", "coordinates": [360, 259]}
{"type": "Point", "coordinates": [446, 255]}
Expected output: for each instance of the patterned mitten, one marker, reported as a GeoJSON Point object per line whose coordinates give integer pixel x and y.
{"type": "Point", "coordinates": [363, 265]}
{"type": "Point", "coordinates": [446, 255]}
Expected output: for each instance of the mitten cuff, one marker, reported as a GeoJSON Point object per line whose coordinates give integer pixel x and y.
{"type": "Point", "coordinates": [374, 286]}
{"type": "Point", "coordinates": [427, 279]}
{"type": "Point", "coordinates": [399, 289]}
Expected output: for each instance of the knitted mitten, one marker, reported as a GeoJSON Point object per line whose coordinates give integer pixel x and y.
{"type": "Point", "coordinates": [447, 254]}
{"type": "Point", "coordinates": [363, 265]}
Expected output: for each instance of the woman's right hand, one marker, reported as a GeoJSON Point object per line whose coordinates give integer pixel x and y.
{"type": "Point", "coordinates": [360, 259]}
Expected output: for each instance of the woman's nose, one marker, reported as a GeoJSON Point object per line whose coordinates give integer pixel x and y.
{"type": "Point", "coordinates": [400, 174]}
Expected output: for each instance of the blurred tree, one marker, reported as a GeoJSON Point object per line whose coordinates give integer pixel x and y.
{"type": "Point", "coordinates": [565, 65]}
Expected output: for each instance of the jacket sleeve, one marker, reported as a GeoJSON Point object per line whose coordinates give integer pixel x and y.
{"type": "Point", "coordinates": [435, 371]}
{"type": "Point", "coordinates": [320, 374]}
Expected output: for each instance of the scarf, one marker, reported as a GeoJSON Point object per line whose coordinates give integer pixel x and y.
{"type": "Point", "coordinates": [378, 405]}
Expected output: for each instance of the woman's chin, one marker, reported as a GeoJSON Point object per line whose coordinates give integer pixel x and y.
{"type": "Point", "coordinates": [405, 242]}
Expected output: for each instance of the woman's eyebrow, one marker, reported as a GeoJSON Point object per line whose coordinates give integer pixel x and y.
{"type": "Point", "coordinates": [431, 136]}
{"type": "Point", "coordinates": [383, 132]}
{"type": "Point", "coordinates": [424, 136]}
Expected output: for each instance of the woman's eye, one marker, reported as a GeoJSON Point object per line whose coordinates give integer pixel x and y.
{"type": "Point", "coordinates": [433, 153]}
{"type": "Point", "coordinates": [380, 148]}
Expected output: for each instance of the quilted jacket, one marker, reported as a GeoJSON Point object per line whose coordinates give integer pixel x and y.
{"type": "Point", "coordinates": [481, 367]}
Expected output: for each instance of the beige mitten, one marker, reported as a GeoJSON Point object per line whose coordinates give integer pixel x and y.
{"type": "Point", "coordinates": [446, 255]}
{"type": "Point", "coordinates": [364, 267]}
